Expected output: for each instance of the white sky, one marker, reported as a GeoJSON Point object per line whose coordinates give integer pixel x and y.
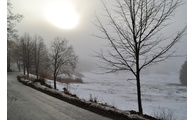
{"type": "Point", "coordinates": [34, 22]}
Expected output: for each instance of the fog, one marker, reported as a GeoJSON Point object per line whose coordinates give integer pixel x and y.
{"type": "Point", "coordinates": [81, 37]}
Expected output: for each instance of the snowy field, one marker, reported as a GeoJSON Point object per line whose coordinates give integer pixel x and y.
{"type": "Point", "coordinates": [159, 92]}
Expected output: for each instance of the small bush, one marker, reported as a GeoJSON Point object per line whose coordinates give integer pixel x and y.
{"type": "Point", "coordinates": [42, 82]}
{"type": "Point", "coordinates": [78, 74]}
{"type": "Point", "coordinates": [68, 93]}
{"type": "Point", "coordinates": [93, 99]}
{"type": "Point", "coordinates": [183, 74]}
{"type": "Point", "coordinates": [43, 75]}
{"type": "Point", "coordinates": [29, 78]}
{"type": "Point", "coordinates": [65, 90]}
{"type": "Point", "coordinates": [70, 80]}
{"type": "Point", "coordinates": [18, 77]}
{"type": "Point", "coordinates": [164, 114]}
{"type": "Point", "coordinates": [46, 75]}
{"type": "Point", "coordinates": [107, 105]}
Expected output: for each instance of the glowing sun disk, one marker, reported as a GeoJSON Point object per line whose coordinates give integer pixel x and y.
{"type": "Point", "coordinates": [63, 16]}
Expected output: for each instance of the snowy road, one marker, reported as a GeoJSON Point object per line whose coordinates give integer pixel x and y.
{"type": "Point", "coordinates": [25, 103]}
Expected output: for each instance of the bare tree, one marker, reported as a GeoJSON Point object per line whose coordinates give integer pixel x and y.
{"type": "Point", "coordinates": [63, 59]}
{"type": "Point", "coordinates": [26, 45]}
{"type": "Point", "coordinates": [31, 52]}
{"type": "Point", "coordinates": [135, 35]}
{"type": "Point", "coordinates": [12, 47]}
{"type": "Point", "coordinates": [12, 19]}
{"type": "Point", "coordinates": [39, 53]}
{"type": "Point", "coordinates": [16, 55]}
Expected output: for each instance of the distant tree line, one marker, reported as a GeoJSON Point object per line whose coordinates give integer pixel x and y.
{"type": "Point", "coordinates": [32, 56]}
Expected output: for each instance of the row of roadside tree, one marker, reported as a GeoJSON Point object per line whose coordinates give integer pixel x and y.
{"type": "Point", "coordinates": [33, 56]}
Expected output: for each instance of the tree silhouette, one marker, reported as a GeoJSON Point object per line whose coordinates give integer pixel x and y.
{"type": "Point", "coordinates": [12, 19]}
{"type": "Point", "coordinates": [63, 59]}
{"type": "Point", "coordinates": [40, 54]}
{"type": "Point", "coordinates": [134, 32]}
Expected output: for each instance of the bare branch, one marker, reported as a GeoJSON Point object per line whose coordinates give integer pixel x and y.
{"type": "Point", "coordinates": [134, 32]}
{"type": "Point", "coordinates": [63, 59]}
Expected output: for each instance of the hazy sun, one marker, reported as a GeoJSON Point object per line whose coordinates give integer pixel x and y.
{"type": "Point", "coordinates": [62, 15]}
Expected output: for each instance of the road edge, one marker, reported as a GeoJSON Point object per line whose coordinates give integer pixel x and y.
{"type": "Point", "coordinates": [100, 109]}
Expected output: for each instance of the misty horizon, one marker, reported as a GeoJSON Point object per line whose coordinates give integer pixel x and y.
{"type": "Point", "coordinates": [81, 38]}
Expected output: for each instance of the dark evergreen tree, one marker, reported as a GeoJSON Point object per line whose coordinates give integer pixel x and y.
{"type": "Point", "coordinates": [183, 74]}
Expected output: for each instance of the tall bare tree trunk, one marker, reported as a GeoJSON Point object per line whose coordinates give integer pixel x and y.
{"type": "Point", "coordinates": [8, 62]}
{"type": "Point", "coordinates": [24, 62]}
{"type": "Point", "coordinates": [55, 77]}
{"type": "Point", "coordinates": [138, 79]}
{"type": "Point", "coordinates": [24, 69]}
{"type": "Point", "coordinates": [18, 64]}
{"type": "Point", "coordinates": [28, 65]}
{"type": "Point", "coordinates": [139, 94]}
{"type": "Point", "coordinates": [37, 74]}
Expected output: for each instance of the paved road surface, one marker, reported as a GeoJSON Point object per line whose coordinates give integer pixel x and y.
{"type": "Point", "coordinates": [25, 103]}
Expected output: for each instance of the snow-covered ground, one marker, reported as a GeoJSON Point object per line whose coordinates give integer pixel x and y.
{"type": "Point", "coordinates": [159, 92]}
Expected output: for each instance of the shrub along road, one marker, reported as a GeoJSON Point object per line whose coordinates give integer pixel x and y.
{"type": "Point", "coordinates": [25, 103]}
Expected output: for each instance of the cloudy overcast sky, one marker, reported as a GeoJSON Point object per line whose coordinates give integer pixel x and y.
{"type": "Point", "coordinates": [38, 19]}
